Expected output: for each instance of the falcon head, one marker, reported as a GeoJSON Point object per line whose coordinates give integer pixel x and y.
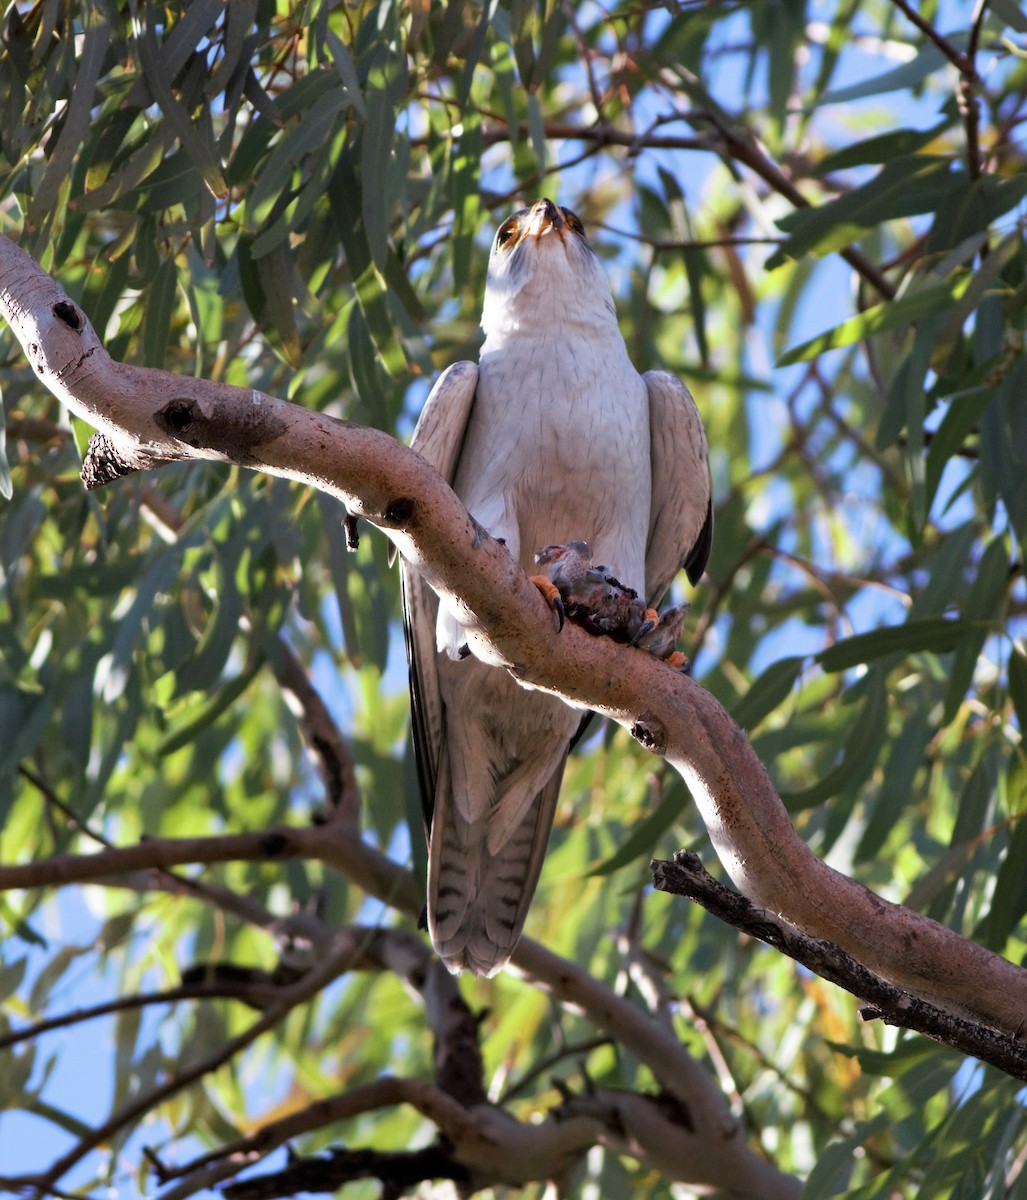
{"type": "Point", "coordinates": [543, 272]}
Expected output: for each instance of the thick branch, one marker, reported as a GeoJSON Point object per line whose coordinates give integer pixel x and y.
{"type": "Point", "coordinates": [154, 415]}
{"type": "Point", "coordinates": [686, 876]}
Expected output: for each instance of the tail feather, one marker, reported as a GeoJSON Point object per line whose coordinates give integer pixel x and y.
{"type": "Point", "coordinates": [479, 891]}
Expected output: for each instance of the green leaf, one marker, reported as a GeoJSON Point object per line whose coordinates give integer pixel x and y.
{"type": "Point", "coordinates": [463, 194]}
{"type": "Point", "coordinates": [195, 139]}
{"type": "Point", "coordinates": [929, 60]}
{"type": "Point", "coordinates": [386, 86]}
{"type": "Point", "coordinates": [892, 314]}
{"type": "Point", "coordinates": [553, 27]}
{"type": "Point", "coordinates": [900, 189]}
{"type": "Point", "coordinates": [972, 208]}
{"type": "Point", "coordinates": [1009, 902]}
{"type": "Point", "coordinates": [537, 133]}
{"type": "Point", "coordinates": [155, 582]}
{"type": "Point", "coordinates": [204, 713]}
{"type": "Point", "coordinates": [305, 135]}
{"type": "Point", "coordinates": [948, 572]}
{"type": "Point", "coordinates": [89, 59]}
{"type": "Point", "coordinates": [1003, 447]}
{"type": "Point", "coordinates": [160, 307]}
{"type": "Point", "coordinates": [933, 635]}
{"type": "Point", "coordinates": [860, 754]}
{"type": "Point", "coordinates": [984, 601]}
{"type": "Point", "coordinates": [11, 975]}
{"type": "Point", "coordinates": [896, 143]}
{"type": "Point", "coordinates": [342, 60]}
{"type": "Point", "coordinates": [1011, 13]}
{"type": "Point", "coordinates": [476, 46]}
{"type": "Point", "coordinates": [767, 692]}
{"type": "Point", "coordinates": [885, 808]}
{"type": "Point", "coordinates": [276, 274]}
{"type": "Point", "coordinates": [962, 415]}
{"type": "Point", "coordinates": [646, 833]}
{"type": "Point", "coordinates": [1017, 669]}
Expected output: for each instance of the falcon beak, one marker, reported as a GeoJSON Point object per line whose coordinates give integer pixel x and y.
{"type": "Point", "coordinates": [544, 216]}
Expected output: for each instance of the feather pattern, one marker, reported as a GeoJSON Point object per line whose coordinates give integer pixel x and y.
{"type": "Point", "coordinates": [552, 437]}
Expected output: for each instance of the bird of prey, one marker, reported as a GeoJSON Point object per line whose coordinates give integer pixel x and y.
{"type": "Point", "coordinates": [551, 437]}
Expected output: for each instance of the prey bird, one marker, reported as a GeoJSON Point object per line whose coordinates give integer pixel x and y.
{"type": "Point", "coordinates": [553, 436]}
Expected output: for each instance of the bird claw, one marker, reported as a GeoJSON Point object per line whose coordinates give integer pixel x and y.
{"type": "Point", "coordinates": [590, 595]}
{"type": "Point", "coordinates": [650, 620]}
{"type": "Point", "coordinates": [551, 595]}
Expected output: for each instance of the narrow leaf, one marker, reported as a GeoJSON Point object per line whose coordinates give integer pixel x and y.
{"type": "Point", "coordinates": [934, 635]}
{"type": "Point", "coordinates": [859, 756]}
{"type": "Point", "coordinates": [892, 314]}
{"type": "Point", "coordinates": [908, 75]}
{"type": "Point", "coordinates": [160, 305]}
{"type": "Point", "coordinates": [767, 692]}
{"type": "Point", "coordinates": [1011, 13]}
{"type": "Point", "coordinates": [645, 835]}
{"type": "Point", "coordinates": [1018, 685]}
{"type": "Point", "coordinates": [986, 597]}
{"type": "Point", "coordinates": [342, 60]}
{"type": "Point", "coordinates": [897, 143]}
{"type": "Point", "coordinates": [95, 40]}
{"type": "Point", "coordinates": [200, 149]}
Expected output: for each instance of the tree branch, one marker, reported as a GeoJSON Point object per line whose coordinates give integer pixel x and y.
{"type": "Point", "coordinates": [150, 416]}
{"type": "Point", "coordinates": [721, 1155]}
{"type": "Point", "coordinates": [686, 876]}
{"type": "Point", "coordinates": [331, 965]}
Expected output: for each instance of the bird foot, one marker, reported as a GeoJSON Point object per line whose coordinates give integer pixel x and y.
{"type": "Point", "coordinates": [649, 620]}
{"type": "Point", "coordinates": [593, 597]}
{"type": "Point", "coordinates": [551, 595]}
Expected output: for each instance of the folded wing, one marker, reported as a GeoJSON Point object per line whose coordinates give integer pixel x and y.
{"type": "Point", "coordinates": [438, 437]}
{"type": "Point", "coordinates": [681, 514]}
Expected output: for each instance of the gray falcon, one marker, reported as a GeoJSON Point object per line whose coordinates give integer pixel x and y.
{"type": "Point", "coordinates": [553, 436]}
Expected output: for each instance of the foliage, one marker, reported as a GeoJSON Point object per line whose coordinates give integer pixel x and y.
{"type": "Point", "coordinates": [811, 211]}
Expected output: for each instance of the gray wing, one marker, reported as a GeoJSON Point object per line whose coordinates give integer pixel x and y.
{"type": "Point", "coordinates": [439, 438]}
{"type": "Point", "coordinates": [681, 517]}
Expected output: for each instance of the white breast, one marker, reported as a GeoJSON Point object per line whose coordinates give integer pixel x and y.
{"type": "Point", "coordinates": [558, 447]}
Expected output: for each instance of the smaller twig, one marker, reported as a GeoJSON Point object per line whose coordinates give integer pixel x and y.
{"type": "Point", "coordinates": [588, 56]}
{"type": "Point", "coordinates": [577, 1050]}
{"type": "Point", "coordinates": [387, 1092]}
{"type": "Point", "coordinates": [332, 965]}
{"type": "Point", "coordinates": [955, 56]}
{"type": "Point", "coordinates": [245, 907]}
{"type": "Point", "coordinates": [969, 104]}
{"type": "Point", "coordinates": [686, 876]}
{"type": "Point", "coordinates": [966, 64]}
{"type": "Point", "coordinates": [322, 735]}
{"type": "Point", "coordinates": [193, 991]}
{"type": "Point", "coordinates": [36, 429]}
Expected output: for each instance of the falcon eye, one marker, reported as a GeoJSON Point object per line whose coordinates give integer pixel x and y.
{"type": "Point", "coordinates": [506, 232]}
{"type": "Point", "coordinates": [573, 222]}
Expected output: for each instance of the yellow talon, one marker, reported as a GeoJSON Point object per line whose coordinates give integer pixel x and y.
{"type": "Point", "coordinates": [551, 595]}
